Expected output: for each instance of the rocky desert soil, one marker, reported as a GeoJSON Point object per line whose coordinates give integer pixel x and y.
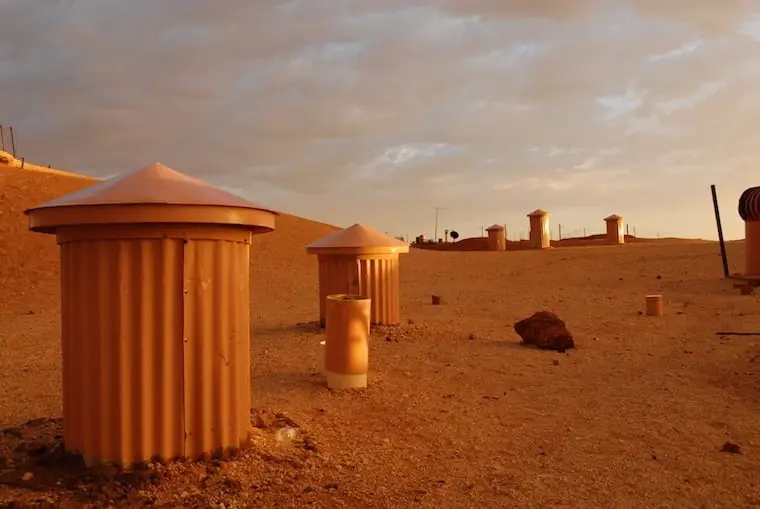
{"type": "Point", "coordinates": [649, 412]}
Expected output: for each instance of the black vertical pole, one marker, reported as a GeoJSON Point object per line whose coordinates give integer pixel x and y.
{"type": "Point", "coordinates": [720, 230]}
{"type": "Point", "coordinates": [2, 139]}
{"type": "Point", "coordinates": [13, 141]}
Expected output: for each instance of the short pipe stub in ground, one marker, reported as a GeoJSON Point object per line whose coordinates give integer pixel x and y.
{"type": "Point", "coordinates": [654, 305]}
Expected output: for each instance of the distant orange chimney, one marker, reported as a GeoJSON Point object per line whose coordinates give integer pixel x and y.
{"type": "Point", "coordinates": [497, 238]}
{"type": "Point", "coordinates": [615, 233]}
{"type": "Point", "coordinates": [540, 232]}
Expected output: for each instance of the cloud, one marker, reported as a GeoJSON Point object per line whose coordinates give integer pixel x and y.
{"type": "Point", "coordinates": [348, 110]}
{"type": "Point", "coordinates": [685, 49]}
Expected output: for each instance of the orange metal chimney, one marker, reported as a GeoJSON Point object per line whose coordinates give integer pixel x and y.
{"type": "Point", "coordinates": [749, 211]}
{"type": "Point", "coordinates": [615, 232]}
{"type": "Point", "coordinates": [540, 234]}
{"type": "Point", "coordinates": [360, 261]}
{"type": "Point", "coordinates": [155, 315]}
{"type": "Point", "coordinates": [497, 238]}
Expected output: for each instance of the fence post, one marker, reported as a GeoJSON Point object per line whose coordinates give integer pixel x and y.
{"type": "Point", "coordinates": [13, 141]}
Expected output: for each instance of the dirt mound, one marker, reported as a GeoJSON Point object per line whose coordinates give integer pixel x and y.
{"type": "Point", "coordinates": [29, 272]}
{"type": "Point", "coordinates": [29, 268]}
{"type": "Point", "coordinates": [470, 244]}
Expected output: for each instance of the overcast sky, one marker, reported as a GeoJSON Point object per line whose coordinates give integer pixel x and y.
{"type": "Point", "coordinates": [376, 111]}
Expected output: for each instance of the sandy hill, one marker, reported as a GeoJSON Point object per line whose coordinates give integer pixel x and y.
{"type": "Point", "coordinates": [29, 270]}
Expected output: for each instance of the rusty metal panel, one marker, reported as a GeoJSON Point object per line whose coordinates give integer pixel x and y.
{"type": "Point", "coordinates": [217, 377]}
{"type": "Point", "coordinates": [122, 349]}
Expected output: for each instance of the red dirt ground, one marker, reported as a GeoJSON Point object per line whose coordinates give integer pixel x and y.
{"type": "Point", "coordinates": [457, 413]}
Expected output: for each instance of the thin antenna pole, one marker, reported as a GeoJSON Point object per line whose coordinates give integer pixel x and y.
{"type": "Point", "coordinates": [435, 233]}
{"type": "Point", "coordinates": [2, 139]}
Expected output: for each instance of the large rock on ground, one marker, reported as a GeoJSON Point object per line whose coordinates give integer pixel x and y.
{"type": "Point", "coordinates": [545, 330]}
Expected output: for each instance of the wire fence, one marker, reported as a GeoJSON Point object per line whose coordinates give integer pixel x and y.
{"type": "Point", "coordinates": [9, 145]}
{"type": "Point", "coordinates": [561, 232]}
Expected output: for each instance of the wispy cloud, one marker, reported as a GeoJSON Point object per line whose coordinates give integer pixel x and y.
{"type": "Point", "coordinates": [621, 104]}
{"type": "Point", "coordinates": [691, 100]}
{"type": "Point", "coordinates": [685, 49]}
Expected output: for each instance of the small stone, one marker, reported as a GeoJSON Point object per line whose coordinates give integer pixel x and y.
{"type": "Point", "coordinates": [27, 476]}
{"type": "Point", "coordinates": [331, 486]}
{"type": "Point", "coordinates": [264, 420]}
{"type": "Point", "coordinates": [109, 472]}
{"type": "Point", "coordinates": [233, 484]}
{"type": "Point", "coordinates": [731, 448]}
{"type": "Point", "coordinates": [659, 277]}
{"type": "Point", "coordinates": [555, 362]}
{"type": "Point", "coordinates": [309, 445]}
{"type": "Point", "coordinates": [471, 337]}
{"type": "Point", "coordinates": [14, 432]}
